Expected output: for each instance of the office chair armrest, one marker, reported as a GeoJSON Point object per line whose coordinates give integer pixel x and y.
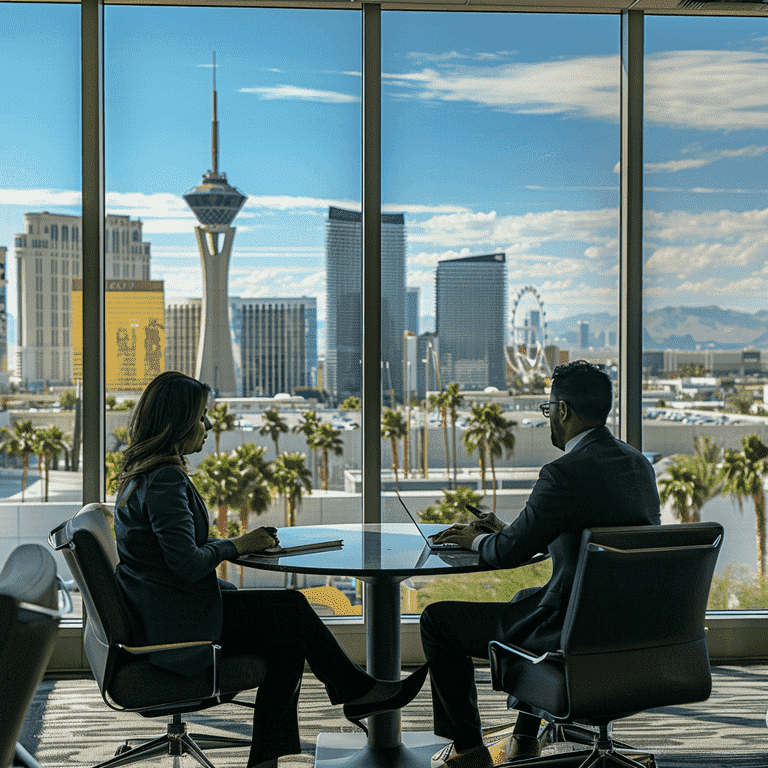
{"type": "Point", "coordinates": [138, 649]}
{"type": "Point", "coordinates": [215, 649]}
{"type": "Point", "coordinates": [495, 645]}
{"type": "Point", "coordinates": [65, 604]}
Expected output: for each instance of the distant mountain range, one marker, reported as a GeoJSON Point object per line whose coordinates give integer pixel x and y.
{"type": "Point", "coordinates": [677, 328]}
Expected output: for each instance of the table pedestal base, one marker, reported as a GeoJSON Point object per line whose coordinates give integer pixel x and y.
{"type": "Point", "coordinates": [351, 750]}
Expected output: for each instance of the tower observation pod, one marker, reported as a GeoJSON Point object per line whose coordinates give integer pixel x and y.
{"type": "Point", "coordinates": [215, 204]}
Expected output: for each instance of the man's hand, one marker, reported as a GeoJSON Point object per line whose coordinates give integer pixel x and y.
{"type": "Point", "coordinates": [463, 535]}
{"type": "Point", "coordinates": [253, 541]}
{"type": "Point", "coordinates": [488, 523]}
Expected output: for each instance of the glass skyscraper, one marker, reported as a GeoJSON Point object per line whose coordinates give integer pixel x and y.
{"type": "Point", "coordinates": [471, 299]}
{"type": "Point", "coordinates": [343, 255]}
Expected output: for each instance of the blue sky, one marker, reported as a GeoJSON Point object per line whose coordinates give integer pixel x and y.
{"type": "Point", "coordinates": [500, 132]}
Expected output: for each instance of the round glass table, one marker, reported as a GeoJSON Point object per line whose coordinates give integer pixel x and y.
{"type": "Point", "coordinates": [381, 555]}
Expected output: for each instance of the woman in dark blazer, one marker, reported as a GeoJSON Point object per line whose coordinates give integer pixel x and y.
{"type": "Point", "coordinates": [167, 575]}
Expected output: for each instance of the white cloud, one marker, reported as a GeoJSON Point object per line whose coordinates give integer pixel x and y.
{"type": "Point", "coordinates": [41, 198]}
{"type": "Point", "coordinates": [718, 287]}
{"type": "Point", "coordinates": [670, 166]}
{"type": "Point", "coordinates": [297, 93]}
{"type": "Point", "coordinates": [707, 89]}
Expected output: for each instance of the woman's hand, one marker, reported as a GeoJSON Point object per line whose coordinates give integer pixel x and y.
{"type": "Point", "coordinates": [253, 541]}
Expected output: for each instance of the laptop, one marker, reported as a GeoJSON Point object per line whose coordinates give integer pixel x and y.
{"type": "Point", "coordinates": [432, 546]}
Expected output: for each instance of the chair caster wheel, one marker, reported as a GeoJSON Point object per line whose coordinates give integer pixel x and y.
{"type": "Point", "coordinates": [122, 749]}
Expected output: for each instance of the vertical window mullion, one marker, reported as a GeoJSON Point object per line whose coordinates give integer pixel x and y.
{"type": "Point", "coordinates": [93, 396]}
{"type": "Point", "coordinates": [371, 267]}
{"type": "Point", "coordinates": [631, 229]}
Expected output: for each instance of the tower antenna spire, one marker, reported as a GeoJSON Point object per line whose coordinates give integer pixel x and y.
{"type": "Point", "coordinates": [214, 127]}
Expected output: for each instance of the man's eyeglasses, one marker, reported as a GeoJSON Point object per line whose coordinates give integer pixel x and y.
{"type": "Point", "coordinates": [544, 407]}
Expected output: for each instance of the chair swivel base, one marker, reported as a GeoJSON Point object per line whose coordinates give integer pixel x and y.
{"type": "Point", "coordinates": [573, 733]}
{"type": "Point", "coordinates": [603, 754]}
{"type": "Point", "coordinates": [175, 742]}
{"type": "Point", "coordinates": [585, 759]}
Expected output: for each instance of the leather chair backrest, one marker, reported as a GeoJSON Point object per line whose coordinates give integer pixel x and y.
{"type": "Point", "coordinates": [90, 551]}
{"type": "Point", "coordinates": [634, 635]}
{"type": "Point", "coordinates": [27, 636]}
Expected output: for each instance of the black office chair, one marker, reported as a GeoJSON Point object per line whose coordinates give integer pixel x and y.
{"type": "Point", "coordinates": [126, 678]}
{"type": "Point", "coordinates": [633, 638]}
{"type": "Point", "coordinates": [29, 620]}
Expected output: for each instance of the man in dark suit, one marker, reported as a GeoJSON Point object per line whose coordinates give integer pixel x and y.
{"type": "Point", "coordinates": [599, 481]}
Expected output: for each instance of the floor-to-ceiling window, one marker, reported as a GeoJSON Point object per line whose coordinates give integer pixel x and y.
{"type": "Point", "coordinates": [40, 261]}
{"type": "Point", "coordinates": [500, 145]}
{"type": "Point", "coordinates": [705, 276]}
{"type": "Point", "coordinates": [287, 140]}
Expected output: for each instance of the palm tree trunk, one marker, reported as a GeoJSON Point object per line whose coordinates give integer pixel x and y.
{"type": "Point", "coordinates": [24, 470]}
{"type": "Point", "coordinates": [395, 462]}
{"type": "Point", "coordinates": [325, 469]}
{"type": "Point", "coordinates": [47, 468]}
{"type": "Point", "coordinates": [759, 499]}
{"type": "Point", "coordinates": [455, 454]}
{"type": "Point", "coordinates": [493, 473]}
{"type": "Point", "coordinates": [447, 452]}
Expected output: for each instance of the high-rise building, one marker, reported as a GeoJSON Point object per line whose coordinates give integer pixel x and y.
{"type": "Point", "coordinates": [182, 334]}
{"type": "Point", "coordinates": [215, 203]}
{"type": "Point", "coordinates": [270, 344]}
{"type": "Point", "coordinates": [274, 342]}
{"type": "Point", "coordinates": [344, 345]}
{"type": "Point", "coordinates": [412, 309]}
{"type": "Point", "coordinates": [311, 315]}
{"type": "Point", "coordinates": [47, 258]}
{"type": "Point", "coordinates": [583, 335]}
{"type": "Point", "coordinates": [471, 302]}
{"type": "Point", "coordinates": [3, 315]}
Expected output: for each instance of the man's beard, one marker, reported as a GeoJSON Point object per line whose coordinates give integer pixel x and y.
{"type": "Point", "coordinates": [556, 434]}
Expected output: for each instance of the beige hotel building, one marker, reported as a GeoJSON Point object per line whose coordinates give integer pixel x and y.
{"type": "Point", "coordinates": [48, 256]}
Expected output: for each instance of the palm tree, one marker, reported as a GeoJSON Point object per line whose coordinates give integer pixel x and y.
{"type": "Point", "coordinates": [743, 473]}
{"type": "Point", "coordinates": [291, 478]}
{"type": "Point", "coordinates": [474, 437]}
{"type": "Point", "coordinates": [237, 480]}
{"type": "Point", "coordinates": [273, 426]}
{"type": "Point", "coordinates": [440, 402]}
{"type": "Point", "coordinates": [499, 438]}
{"type": "Point", "coordinates": [121, 433]}
{"type": "Point", "coordinates": [393, 427]}
{"type": "Point", "coordinates": [308, 423]}
{"type": "Point", "coordinates": [53, 441]}
{"type": "Point", "coordinates": [252, 492]}
{"type": "Point", "coordinates": [453, 401]}
{"type": "Point", "coordinates": [453, 507]}
{"type": "Point", "coordinates": [40, 450]}
{"type": "Point", "coordinates": [20, 441]}
{"type": "Point", "coordinates": [352, 403]}
{"type": "Point", "coordinates": [221, 421]}
{"type": "Point", "coordinates": [326, 438]}
{"type": "Point", "coordinates": [216, 480]}
{"type": "Point", "coordinates": [113, 463]}
{"type": "Point", "coordinates": [684, 488]}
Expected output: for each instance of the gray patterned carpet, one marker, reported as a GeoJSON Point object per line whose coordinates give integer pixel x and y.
{"type": "Point", "coordinates": [68, 724]}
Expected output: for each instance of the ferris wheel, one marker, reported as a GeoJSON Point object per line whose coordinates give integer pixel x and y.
{"type": "Point", "coordinates": [529, 336]}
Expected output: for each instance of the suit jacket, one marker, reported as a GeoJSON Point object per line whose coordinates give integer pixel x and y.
{"type": "Point", "coordinates": [167, 569]}
{"type": "Point", "coordinates": [601, 482]}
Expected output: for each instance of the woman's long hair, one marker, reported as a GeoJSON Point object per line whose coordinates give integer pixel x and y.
{"type": "Point", "coordinates": [164, 419]}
